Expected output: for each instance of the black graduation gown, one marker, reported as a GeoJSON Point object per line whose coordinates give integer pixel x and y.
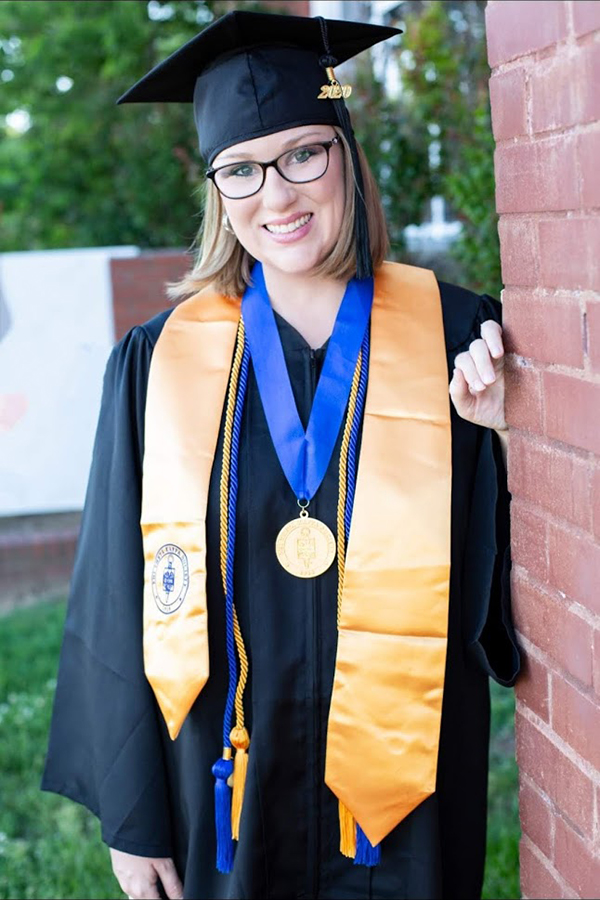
{"type": "Point", "coordinates": [109, 748]}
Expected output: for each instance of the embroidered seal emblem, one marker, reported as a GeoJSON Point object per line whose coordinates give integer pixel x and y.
{"type": "Point", "coordinates": [170, 578]}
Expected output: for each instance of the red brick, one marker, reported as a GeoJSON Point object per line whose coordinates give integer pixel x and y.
{"type": "Point", "coordinates": [586, 16]}
{"type": "Point", "coordinates": [296, 7]}
{"type": "Point", "coordinates": [553, 773]}
{"type": "Point", "coordinates": [596, 501]}
{"type": "Point", "coordinates": [576, 862]}
{"type": "Point", "coordinates": [550, 478]}
{"type": "Point", "coordinates": [507, 96]}
{"type": "Point", "coordinates": [593, 334]}
{"type": "Point", "coordinates": [571, 410]}
{"type": "Point", "coordinates": [537, 879]}
{"type": "Point", "coordinates": [589, 153]}
{"type": "Point", "coordinates": [564, 89]}
{"type": "Point", "coordinates": [568, 253]}
{"type": "Point", "coordinates": [589, 81]}
{"type": "Point", "coordinates": [139, 286]}
{"type": "Point", "coordinates": [529, 540]}
{"type": "Point", "coordinates": [574, 566]}
{"type": "Point", "coordinates": [554, 628]}
{"type": "Point", "coordinates": [537, 176]}
{"type": "Point", "coordinates": [533, 688]}
{"type": "Point", "coordinates": [554, 95]}
{"type": "Point", "coordinates": [597, 665]}
{"type": "Point", "coordinates": [576, 718]}
{"type": "Point", "coordinates": [545, 328]}
{"type": "Point", "coordinates": [536, 817]}
{"type": "Point", "coordinates": [517, 27]}
{"type": "Point", "coordinates": [523, 401]}
{"type": "Point", "coordinates": [518, 245]}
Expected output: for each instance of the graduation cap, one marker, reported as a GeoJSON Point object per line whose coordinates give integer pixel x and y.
{"type": "Point", "coordinates": [251, 74]}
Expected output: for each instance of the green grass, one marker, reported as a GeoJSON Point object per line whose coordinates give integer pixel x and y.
{"type": "Point", "coordinates": [502, 864]}
{"type": "Point", "coordinates": [51, 848]}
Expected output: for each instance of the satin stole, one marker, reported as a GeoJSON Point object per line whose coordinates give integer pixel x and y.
{"type": "Point", "coordinates": [384, 720]}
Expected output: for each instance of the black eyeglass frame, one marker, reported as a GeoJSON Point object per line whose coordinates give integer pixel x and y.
{"type": "Point", "coordinates": [212, 172]}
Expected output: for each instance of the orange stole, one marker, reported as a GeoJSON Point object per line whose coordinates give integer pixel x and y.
{"type": "Point", "coordinates": [384, 722]}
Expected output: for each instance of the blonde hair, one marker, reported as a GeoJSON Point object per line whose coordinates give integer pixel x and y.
{"type": "Point", "coordinates": [223, 263]}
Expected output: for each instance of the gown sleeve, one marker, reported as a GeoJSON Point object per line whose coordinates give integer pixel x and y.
{"type": "Point", "coordinates": [488, 629]}
{"type": "Point", "coordinates": [105, 748]}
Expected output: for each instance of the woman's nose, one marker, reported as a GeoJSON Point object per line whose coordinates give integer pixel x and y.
{"type": "Point", "coordinates": [277, 193]}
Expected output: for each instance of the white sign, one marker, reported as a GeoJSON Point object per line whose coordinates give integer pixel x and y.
{"type": "Point", "coordinates": [56, 332]}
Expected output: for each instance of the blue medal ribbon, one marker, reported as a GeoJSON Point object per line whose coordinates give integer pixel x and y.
{"type": "Point", "coordinates": [305, 455]}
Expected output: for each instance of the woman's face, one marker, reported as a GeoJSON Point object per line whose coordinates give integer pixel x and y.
{"type": "Point", "coordinates": [314, 210]}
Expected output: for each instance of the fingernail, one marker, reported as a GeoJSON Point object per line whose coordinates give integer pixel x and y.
{"type": "Point", "coordinates": [479, 386]}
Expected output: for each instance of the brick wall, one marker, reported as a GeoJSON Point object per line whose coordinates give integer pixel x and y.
{"type": "Point", "coordinates": [138, 285]}
{"type": "Point", "coordinates": [545, 94]}
{"type": "Point", "coordinates": [36, 557]}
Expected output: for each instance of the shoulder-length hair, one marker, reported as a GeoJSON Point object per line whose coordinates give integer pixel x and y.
{"type": "Point", "coordinates": [225, 265]}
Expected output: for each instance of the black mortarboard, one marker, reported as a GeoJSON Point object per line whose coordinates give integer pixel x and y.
{"type": "Point", "coordinates": [251, 74]}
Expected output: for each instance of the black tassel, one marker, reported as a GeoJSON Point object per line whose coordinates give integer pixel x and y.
{"type": "Point", "coordinates": [364, 262]}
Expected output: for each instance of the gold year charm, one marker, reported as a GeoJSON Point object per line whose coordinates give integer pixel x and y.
{"type": "Point", "coordinates": [334, 90]}
{"type": "Point", "coordinates": [305, 547]}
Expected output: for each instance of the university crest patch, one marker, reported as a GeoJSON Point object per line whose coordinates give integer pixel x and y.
{"type": "Point", "coordinates": [170, 578]}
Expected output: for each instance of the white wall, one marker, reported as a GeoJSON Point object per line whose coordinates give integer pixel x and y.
{"type": "Point", "coordinates": [56, 331]}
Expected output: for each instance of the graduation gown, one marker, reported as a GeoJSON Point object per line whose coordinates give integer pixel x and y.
{"type": "Point", "coordinates": [109, 748]}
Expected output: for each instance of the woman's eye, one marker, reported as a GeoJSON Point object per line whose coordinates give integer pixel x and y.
{"type": "Point", "coordinates": [302, 155]}
{"type": "Point", "coordinates": [244, 170]}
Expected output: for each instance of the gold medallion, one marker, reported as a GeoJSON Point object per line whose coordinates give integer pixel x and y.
{"type": "Point", "coordinates": [305, 547]}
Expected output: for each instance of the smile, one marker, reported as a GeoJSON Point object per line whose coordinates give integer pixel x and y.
{"type": "Point", "coordinates": [289, 226]}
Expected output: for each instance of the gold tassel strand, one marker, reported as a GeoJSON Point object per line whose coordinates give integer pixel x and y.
{"type": "Point", "coordinates": [241, 741]}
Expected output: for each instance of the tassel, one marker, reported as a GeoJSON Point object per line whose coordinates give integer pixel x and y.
{"type": "Point", "coordinates": [222, 770]}
{"type": "Point", "coordinates": [347, 831]}
{"type": "Point", "coordinates": [241, 741]}
{"type": "Point", "coordinates": [366, 853]}
{"type": "Point", "coordinates": [364, 261]}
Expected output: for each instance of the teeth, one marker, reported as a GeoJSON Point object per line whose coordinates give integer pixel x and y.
{"type": "Point", "coordinates": [291, 226]}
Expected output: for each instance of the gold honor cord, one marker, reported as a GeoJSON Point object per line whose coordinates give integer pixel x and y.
{"type": "Point", "coordinates": [239, 735]}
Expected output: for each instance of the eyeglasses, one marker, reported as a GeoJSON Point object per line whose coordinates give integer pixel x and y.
{"type": "Point", "coordinates": [302, 164]}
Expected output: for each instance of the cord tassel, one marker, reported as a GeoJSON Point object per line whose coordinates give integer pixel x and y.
{"type": "Point", "coordinates": [347, 831]}
{"type": "Point", "coordinates": [241, 741]}
{"type": "Point", "coordinates": [366, 853]}
{"type": "Point", "coordinates": [222, 770]}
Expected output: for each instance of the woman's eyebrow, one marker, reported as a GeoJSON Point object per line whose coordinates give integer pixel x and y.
{"type": "Point", "coordinates": [289, 143]}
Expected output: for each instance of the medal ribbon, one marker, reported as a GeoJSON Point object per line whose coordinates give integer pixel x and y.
{"type": "Point", "coordinates": [305, 455]}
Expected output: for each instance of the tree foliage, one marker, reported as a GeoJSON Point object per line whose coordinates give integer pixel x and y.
{"type": "Point", "coordinates": [89, 173]}
{"type": "Point", "coordinates": [445, 76]}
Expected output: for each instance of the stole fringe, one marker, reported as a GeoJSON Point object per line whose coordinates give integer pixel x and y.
{"type": "Point", "coordinates": [366, 853]}
{"type": "Point", "coordinates": [347, 831]}
{"type": "Point", "coordinates": [222, 770]}
{"type": "Point", "coordinates": [241, 741]}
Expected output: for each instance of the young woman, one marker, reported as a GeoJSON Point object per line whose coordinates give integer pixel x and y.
{"type": "Point", "coordinates": [292, 581]}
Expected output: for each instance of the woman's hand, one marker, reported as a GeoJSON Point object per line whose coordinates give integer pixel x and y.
{"type": "Point", "coordinates": [138, 876]}
{"type": "Point", "coordinates": [477, 386]}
